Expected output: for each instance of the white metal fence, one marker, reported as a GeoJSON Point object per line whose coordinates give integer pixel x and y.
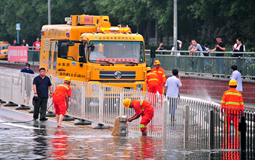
{"type": "Point", "coordinates": [175, 118]}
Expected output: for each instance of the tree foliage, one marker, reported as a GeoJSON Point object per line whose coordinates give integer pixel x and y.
{"type": "Point", "coordinates": [202, 20]}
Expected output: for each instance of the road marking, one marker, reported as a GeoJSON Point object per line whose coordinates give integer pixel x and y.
{"type": "Point", "coordinates": [17, 125]}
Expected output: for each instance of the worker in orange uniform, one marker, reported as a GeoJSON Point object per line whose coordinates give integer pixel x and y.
{"type": "Point", "coordinates": [61, 99]}
{"type": "Point", "coordinates": [161, 76]}
{"type": "Point", "coordinates": [142, 108]}
{"type": "Point", "coordinates": [232, 104]}
{"type": "Point", "coordinates": [152, 81]}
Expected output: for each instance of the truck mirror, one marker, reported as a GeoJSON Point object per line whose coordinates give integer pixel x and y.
{"type": "Point", "coordinates": [81, 50]}
{"type": "Point", "coordinates": [153, 52]}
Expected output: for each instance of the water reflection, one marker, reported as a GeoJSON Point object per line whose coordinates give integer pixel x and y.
{"type": "Point", "coordinates": [60, 144]}
{"type": "Point", "coordinates": [148, 148]}
{"type": "Point", "coordinates": [230, 146]}
{"type": "Point", "coordinates": [41, 146]}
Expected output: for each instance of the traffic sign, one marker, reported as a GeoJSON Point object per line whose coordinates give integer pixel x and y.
{"type": "Point", "coordinates": [17, 26]}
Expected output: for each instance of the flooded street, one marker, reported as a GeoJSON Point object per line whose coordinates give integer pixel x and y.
{"type": "Point", "coordinates": [80, 143]}
{"type": "Point", "coordinates": [43, 140]}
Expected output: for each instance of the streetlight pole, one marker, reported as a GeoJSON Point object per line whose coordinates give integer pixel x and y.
{"type": "Point", "coordinates": [49, 17]}
{"type": "Point", "coordinates": [175, 25]}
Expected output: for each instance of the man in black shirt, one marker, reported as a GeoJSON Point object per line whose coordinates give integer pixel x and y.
{"type": "Point", "coordinates": [41, 87]}
{"type": "Point", "coordinates": [161, 47]}
{"type": "Point", "coordinates": [220, 46]}
{"type": "Point", "coordinates": [15, 43]}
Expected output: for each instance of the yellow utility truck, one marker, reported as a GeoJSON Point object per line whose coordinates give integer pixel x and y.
{"type": "Point", "coordinates": [87, 48]}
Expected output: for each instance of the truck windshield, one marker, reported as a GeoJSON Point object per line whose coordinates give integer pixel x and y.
{"type": "Point", "coordinates": [116, 52]}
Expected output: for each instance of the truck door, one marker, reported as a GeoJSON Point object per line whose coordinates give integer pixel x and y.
{"type": "Point", "coordinates": [68, 65]}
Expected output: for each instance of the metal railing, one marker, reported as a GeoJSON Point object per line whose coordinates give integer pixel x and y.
{"type": "Point", "coordinates": [187, 121]}
{"type": "Point", "coordinates": [212, 65]}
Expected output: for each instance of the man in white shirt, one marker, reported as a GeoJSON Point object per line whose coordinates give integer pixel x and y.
{"type": "Point", "coordinates": [172, 91]}
{"type": "Point", "coordinates": [236, 75]}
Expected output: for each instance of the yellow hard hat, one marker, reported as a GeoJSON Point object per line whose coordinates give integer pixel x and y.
{"type": "Point", "coordinates": [127, 103]}
{"type": "Point", "coordinates": [156, 62]}
{"type": "Point", "coordinates": [148, 69]}
{"type": "Point", "coordinates": [67, 79]}
{"type": "Point", "coordinates": [232, 82]}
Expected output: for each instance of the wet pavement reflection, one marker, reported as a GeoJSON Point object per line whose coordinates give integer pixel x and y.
{"type": "Point", "coordinates": [85, 143]}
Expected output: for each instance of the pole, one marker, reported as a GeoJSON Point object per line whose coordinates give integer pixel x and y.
{"type": "Point", "coordinates": [175, 25]}
{"type": "Point", "coordinates": [49, 16]}
{"type": "Point", "coordinates": [211, 132]}
{"type": "Point", "coordinates": [17, 36]}
{"type": "Point", "coordinates": [242, 129]}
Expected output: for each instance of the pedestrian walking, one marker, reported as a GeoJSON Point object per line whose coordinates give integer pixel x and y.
{"type": "Point", "coordinates": [142, 108]}
{"type": "Point", "coordinates": [172, 91]}
{"type": "Point", "coordinates": [28, 80]}
{"type": "Point", "coordinates": [161, 76]}
{"type": "Point", "coordinates": [236, 75]}
{"type": "Point", "coordinates": [232, 104]}
{"type": "Point", "coordinates": [220, 46]}
{"type": "Point", "coordinates": [61, 100]}
{"type": "Point", "coordinates": [41, 87]}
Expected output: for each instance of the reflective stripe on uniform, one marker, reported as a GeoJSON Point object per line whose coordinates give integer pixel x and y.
{"type": "Point", "coordinates": [141, 103]}
{"type": "Point", "coordinates": [241, 103]}
{"type": "Point", "coordinates": [150, 73]}
{"type": "Point", "coordinates": [142, 109]}
{"type": "Point", "coordinates": [231, 93]}
{"type": "Point", "coordinates": [64, 86]}
{"type": "Point", "coordinates": [223, 101]}
{"type": "Point", "coordinates": [154, 79]}
{"type": "Point", "coordinates": [160, 72]}
{"type": "Point", "coordinates": [142, 126]}
{"type": "Point", "coordinates": [234, 103]}
{"type": "Point", "coordinates": [163, 76]}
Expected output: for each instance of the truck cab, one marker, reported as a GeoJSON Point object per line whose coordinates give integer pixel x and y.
{"type": "Point", "coordinates": [89, 49]}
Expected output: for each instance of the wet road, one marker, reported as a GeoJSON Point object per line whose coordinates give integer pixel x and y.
{"type": "Point", "coordinates": [43, 140]}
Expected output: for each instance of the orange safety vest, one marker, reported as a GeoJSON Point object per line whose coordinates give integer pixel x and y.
{"type": "Point", "coordinates": [232, 100]}
{"type": "Point", "coordinates": [62, 90]}
{"type": "Point", "coordinates": [161, 74]}
{"type": "Point", "coordinates": [152, 79]}
{"type": "Point", "coordinates": [140, 106]}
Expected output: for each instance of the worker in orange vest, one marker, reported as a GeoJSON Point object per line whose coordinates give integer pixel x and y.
{"type": "Point", "coordinates": [142, 108]}
{"type": "Point", "coordinates": [161, 76]}
{"type": "Point", "coordinates": [61, 99]}
{"type": "Point", "coordinates": [152, 81]}
{"type": "Point", "coordinates": [232, 104]}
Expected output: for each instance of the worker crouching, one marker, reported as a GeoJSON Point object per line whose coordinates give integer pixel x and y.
{"type": "Point", "coordinates": [142, 108]}
{"type": "Point", "coordinates": [61, 99]}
